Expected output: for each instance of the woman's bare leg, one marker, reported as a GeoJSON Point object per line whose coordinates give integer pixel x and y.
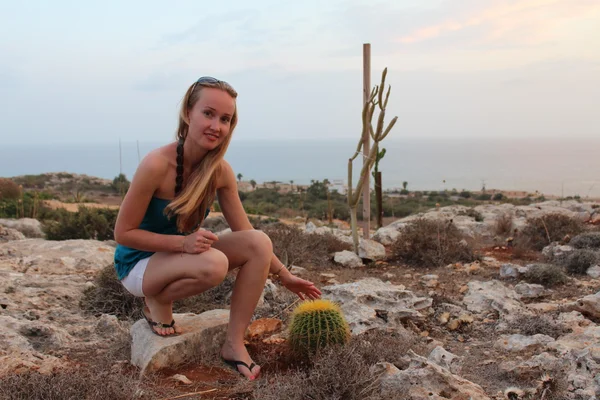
{"type": "Point", "coordinates": [174, 276]}
{"type": "Point", "coordinates": [252, 251]}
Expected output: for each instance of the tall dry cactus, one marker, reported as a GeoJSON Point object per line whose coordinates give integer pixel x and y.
{"type": "Point", "coordinates": [377, 135]}
{"type": "Point", "coordinates": [317, 324]}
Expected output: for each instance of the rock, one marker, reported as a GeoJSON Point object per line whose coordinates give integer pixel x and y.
{"type": "Point", "coordinates": [430, 281]}
{"type": "Point", "coordinates": [445, 359]}
{"type": "Point", "coordinates": [108, 325]}
{"type": "Point", "coordinates": [535, 365]}
{"type": "Point", "coordinates": [492, 295]}
{"type": "Point", "coordinates": [594, 271]}
{"type": "Point", "coordinates": [529, 291]}
{"type": "Point", "coordinates": [386, 235]}
{"type": "Point", "coordinates": [372, 303]}
{"type": "Point", "coordinates": [56, 257]}
{"type": "Point", "coordinates": [298, 271]}
{"type": "Point", "coordinates": [151, 352]}
{"type": "Point", "coordinates": [30, 227]}
{"type": "Point", "coordinates": [262, 327]}
{"type": "Point", "coordinates": [589, 305]}
{"type": "Point", "coordinates": [522, 342]}
{"type": "Point", "coordinates": [41, 286]}
{"type": "Point", "coordinates": [8, 234]}
{"type": "Point", "coordinates": [371, 250]}
{"type": "Point", "coordinates": [424, 380]}
{"type": "Point", "coordinates": [348, 259]}
{"type": "Point", "coordinates": [509, 271]}
{"type": "Point", "coordinates": [310, 227]}
{"type": "Point", "coordinates": [557, 253]}
{"type": "Point", "coordinates": [182, 379]}
{"type": "Point", "coordinates": [215, 224]}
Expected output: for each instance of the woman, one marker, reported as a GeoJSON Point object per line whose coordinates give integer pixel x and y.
{"type": "Point", "coordinates": [162, 255]}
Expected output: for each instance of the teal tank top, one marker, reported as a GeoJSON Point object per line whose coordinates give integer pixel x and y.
{"type": "Point", "coordinates": [154, 221]}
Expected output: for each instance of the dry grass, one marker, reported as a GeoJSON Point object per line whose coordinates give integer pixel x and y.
{"type": "Point", "coordinates": [549, 228]}
{"type": "Point", "coordinates": [294, 247]}
{"type": "Point", "coordinates": [341, 372]}
{"type": "Point", "coordinates": [428, 243]}
{"type": "Point", "coordinates": [96, 373]}
{"type": "Point", "coordinates": [108, 296]}
{"type": "Point", "coordinates": [504, 223]}
{"type": "Point", "coordinates": [537, 324]}
{"type": "Point", "coordinates": [548, 275]}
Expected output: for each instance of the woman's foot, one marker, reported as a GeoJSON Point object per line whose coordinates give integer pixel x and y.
{"type": "Point", "coordinates": [161, 314]}
{"type": "Point", "coordinates": [233, 353]}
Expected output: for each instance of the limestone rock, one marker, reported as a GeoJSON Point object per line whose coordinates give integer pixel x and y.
{"type": "Point", "coordinates": [371, 250]}
{"type": "Point", "coordinates": [9, 234]}
{"type": "Point", "coordinates": [151, 352]}
{"type": "Point", "coordinates": [445, 359]}
{"type": "Point", "coordinates": [386, 235]}
{"type": "Point", "coordinates": [522, 342]}
{"type": "Point", "coordinates": [372, 303]}
{"type": "Point", "coordinates": [492, 295]}
{"type": "Point", "coordinates": [529, 290]}
{"type": "Point", "coordinates": [31, 228]}
{"type": "Point", "coordinates": [56, 257]}
{"type": "Point", "coordinates": [348, 259]}
{"type": "Point", "coordinates": [424, 380]}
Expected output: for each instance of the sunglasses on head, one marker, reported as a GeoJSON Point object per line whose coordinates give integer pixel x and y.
{"type": "Point", "coordinates": [212, 81]}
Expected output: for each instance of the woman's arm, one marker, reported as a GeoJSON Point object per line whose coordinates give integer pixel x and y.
{"type": "Point", "coordinates": [148, 176]}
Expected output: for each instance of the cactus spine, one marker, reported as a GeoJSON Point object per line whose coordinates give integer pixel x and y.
{"type": "Point", "coordinates": [317, 324]}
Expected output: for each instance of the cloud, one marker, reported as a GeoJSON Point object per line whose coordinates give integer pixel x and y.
{"type": "Point", "coordinates": [524, 22]}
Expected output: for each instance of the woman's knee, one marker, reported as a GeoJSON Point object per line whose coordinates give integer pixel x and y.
{"type": "Point", "coordinates": [213, 268]}
{"type": "Point", "coordinates": [260, 243]}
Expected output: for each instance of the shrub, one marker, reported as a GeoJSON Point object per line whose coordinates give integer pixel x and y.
{"type": "Point", "coordinates": [580, 260]}
{"type": "Point", "coordinates": [537, 324]}
{"type": "Point", "coordinates": [550, 228]}
{"type": "Point", "coordinates": [465, 194]}
{"type": "Point", "coordinates": [87, 223]}
{"type": "Point", "coordinates": [587, 240]}
{"type": "Point", "coordinates": [108, 296]}
{"type": "Point", "coordinates": [548, 275]}
{"type": "Point", "coordinates": [76, 383]}
{"type": "Point", "coordinates": [343, 372]}
{"type": "Point", "coordinates": [427, 242]}
{"type": "Point", "coordinates": [471, 212]}
{"type": "Point", "coordinates": [293, 246]}
{"type": "Point", "coordinates": [498, 197]}
{"type": "Point", "coordinates": [9, 190]}
{"type": "Point", "coordinates": [504, 223]}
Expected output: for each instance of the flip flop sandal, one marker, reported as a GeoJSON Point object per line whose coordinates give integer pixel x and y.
{"type": "Point", "coordinates": [234, 365]}
{"type": "Point", "coordinates": [153, 324]}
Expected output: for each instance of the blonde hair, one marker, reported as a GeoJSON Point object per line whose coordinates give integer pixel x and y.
{"type": "Point", "coordinates": [190, 205]}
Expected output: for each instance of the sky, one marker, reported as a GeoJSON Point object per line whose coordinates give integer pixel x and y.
{"type": "Point", "coordinates": [99, 72]}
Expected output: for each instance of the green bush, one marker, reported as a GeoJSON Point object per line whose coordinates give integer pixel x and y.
{"type": "Point", "coordinates": [549, 228]}
{"type": "Point", "coordinates": [87, 223]}
{"type": "Point", "coordinates": [426, 242]}
{"type": "Point", "coordinates": [498, 197]}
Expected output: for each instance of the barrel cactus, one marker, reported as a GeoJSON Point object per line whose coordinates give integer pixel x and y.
{"type": "Point", "coordinates": [317, 324]}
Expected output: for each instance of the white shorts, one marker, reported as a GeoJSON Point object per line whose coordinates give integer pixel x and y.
{"type": "Point", "coordinates": [133, 281]}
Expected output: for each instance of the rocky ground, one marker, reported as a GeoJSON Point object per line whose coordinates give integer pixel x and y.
{"type": "Point", "coordinates": [478, 329]}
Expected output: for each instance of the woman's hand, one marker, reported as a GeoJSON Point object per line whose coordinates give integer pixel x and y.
{"type": "Point", "coordinates": [199, 241]}
{"type": "Point", "coordinates": [303, 288]}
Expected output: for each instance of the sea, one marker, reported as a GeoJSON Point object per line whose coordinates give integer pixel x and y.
{"type": "Point", "coordinates": [560, 167]}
